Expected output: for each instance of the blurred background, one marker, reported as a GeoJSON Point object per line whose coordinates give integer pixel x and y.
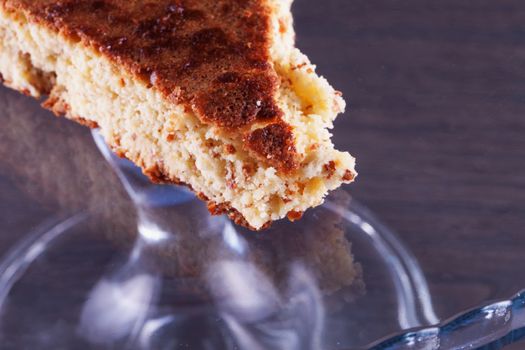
{"type": "Point", "coordinates": [436, 120]}
{"type": "Point", "coordinates": [435, 117]}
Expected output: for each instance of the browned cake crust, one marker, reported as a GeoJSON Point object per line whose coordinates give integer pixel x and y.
{"type": "Point", "coordinates": [212, 56]}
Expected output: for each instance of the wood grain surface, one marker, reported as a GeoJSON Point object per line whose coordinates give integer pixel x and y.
{"type": "Point", "coordinates": [436, 119]}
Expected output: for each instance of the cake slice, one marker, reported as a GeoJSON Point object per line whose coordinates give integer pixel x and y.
{"type": "Point", "coordinates": [207, 93]}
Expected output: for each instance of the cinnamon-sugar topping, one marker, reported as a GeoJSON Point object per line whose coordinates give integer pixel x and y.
{"type": "Point", "coordinates": [210, 55]}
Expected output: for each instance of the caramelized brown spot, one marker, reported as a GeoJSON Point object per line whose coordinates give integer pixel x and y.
{"type": "Point", "coordinates": [86, 122]}
{"type": "Point", "coordinates": [56, 104]}
{"type": "Point", "coordinates": [157, 174]}
{"type": "Point", "coordinates": [116, 140]}
{"type": "Point", "coordinates": [202, 197]}
{"type": "Point", "coordinates": [301, 186]}
{"type": "Point", "coordinates": [230, 149]}
{"type": "Point", "coordinates": [120, 153]}
{"type": "Point", "coordinates": [248, 170]}
{"type": "Point", "coordinates": [282, 26]}
{"type": "Point", "coordinates": [275, 143]}
{"type": "Point", "coordinates": [348, 176]}
{"type": "Point", "coordinates": [210, 143]}
{"type": "Point", "coordinates": [299, 66]}
{"type": "Point", "coordinates": [294, 215]}
{"type": "Point", "coordinates": [329, 168]}
{"type": "Point", "coordinates": [170, 137]}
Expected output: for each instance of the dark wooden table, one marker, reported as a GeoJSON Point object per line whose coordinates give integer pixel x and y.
{"type": "Point", "coordinates": [436, 120]}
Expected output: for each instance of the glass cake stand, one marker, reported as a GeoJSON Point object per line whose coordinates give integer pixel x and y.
{"type": "Point", "coordinates": [101, 261]}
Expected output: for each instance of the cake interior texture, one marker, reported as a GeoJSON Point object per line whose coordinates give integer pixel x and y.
{"type": "Point", "coordinates": [166, 139]}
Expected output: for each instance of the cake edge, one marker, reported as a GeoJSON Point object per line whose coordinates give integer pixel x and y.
{"type": "Point", "coordinates": [60, 107]}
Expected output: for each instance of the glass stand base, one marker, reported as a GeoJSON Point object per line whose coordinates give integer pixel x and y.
{"type": "Point", "coordinates": [179, 278]}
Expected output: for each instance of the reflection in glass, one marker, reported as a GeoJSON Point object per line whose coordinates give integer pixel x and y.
{"type": "Point", "coordinates": [146, 266]}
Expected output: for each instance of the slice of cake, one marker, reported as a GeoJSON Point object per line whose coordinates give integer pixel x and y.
{"type": "Point", "coordinates": [207, 93]}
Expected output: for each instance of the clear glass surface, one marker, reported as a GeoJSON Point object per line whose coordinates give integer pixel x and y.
{"type": "Point", "coordinates": [424, 251]}
{"type": "Point", "coordinates": [96, 256]}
